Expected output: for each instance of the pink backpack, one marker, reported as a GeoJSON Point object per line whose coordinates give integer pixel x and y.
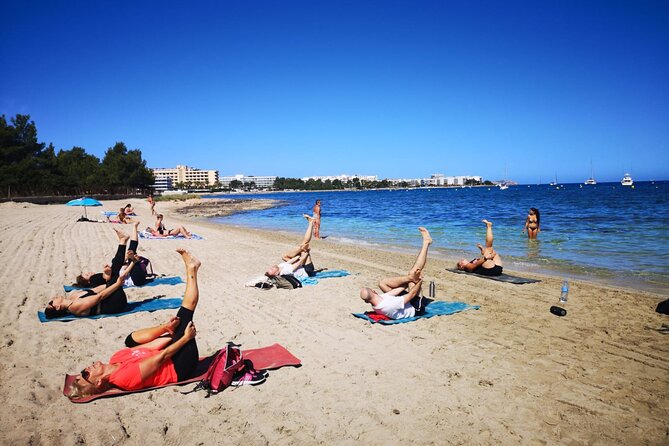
{"type": "Point", "coordinates": [227, 363]}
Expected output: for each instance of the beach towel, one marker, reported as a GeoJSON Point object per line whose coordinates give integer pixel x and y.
{"type": "Point", "coordinates": [160, 280]}
{"type": "Point", "coordinates": [324, 275]}
{"type": "Point", "coordinates": [266, 358]}
{"type": "Point", "coordinates": [435, 308]}
{"type": "Point", "coordinates": [501, 278]}
{"type": "Point", "coordinates": [151, 304]}
{"type": "Point", "coordinates": [147, 235]}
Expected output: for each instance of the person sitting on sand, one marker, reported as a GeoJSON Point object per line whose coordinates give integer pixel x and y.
{"type": "Point", "coordinates": [108, 298]}
{"type": "Point", "coordinates": [296, 262]}
{"type": "Point", "coordinates": [400, 297]}
{"type": "Point", "coordinates": [129, 210]}
{"type": "Point", "coordinates": [489, 263]}
{"type": "Point", "coordinates": [154, 356]}
{"type": "Point", "coordinates": [138, 276]}
{"type": "Point", "coordinates": [532, 223]}
{"type": "Point", "coordinates": [161, 231]}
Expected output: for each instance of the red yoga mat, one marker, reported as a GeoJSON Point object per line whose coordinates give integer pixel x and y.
{"type": "Point", "coordinates": [266, 358]}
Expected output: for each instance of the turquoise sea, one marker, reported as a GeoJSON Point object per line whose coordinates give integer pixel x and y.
{"type": "Point", "coordinates": [607, 232]}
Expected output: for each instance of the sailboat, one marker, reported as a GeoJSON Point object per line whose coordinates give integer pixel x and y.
{"type": "Point", "coordinates": [553, 183]}
{"type": "Point", "coordinates": [590, 181]}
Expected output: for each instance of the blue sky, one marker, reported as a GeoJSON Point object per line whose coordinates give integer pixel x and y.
{"type": "Point", "coordinates": [387, 88]}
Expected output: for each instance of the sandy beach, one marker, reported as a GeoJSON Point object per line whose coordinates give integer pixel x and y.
{"type": "Point", "coordinates": [507, 373]}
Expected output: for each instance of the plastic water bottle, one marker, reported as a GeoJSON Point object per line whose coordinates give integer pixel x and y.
{"type": "Point", "coordinates": [565, 292]}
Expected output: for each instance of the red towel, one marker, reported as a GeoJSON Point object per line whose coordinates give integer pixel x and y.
{"type": "Point", "coordinates": [373, 315]}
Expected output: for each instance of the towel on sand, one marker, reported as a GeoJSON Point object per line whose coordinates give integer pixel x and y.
{"type": "Point", "coordinates": [151, 304]}
{"type": "Point", "coordinates": [435, 308]}
{"type": "Point", "coordinates": [324, 275]}
{"type": "Point", "coordinates": [160, 280]}
{"type": "Point", "coordinates": [267, 358]}
{"type": "Point", "coordinates": [149, 236]}
{"type": "Point", "coordinates": [501, 278]}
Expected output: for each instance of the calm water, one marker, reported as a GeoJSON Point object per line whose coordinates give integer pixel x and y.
{"type": "Point", "coordinates": [605, 232]}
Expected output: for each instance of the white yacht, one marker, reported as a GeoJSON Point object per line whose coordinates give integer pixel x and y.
{"type": "Point", "coordinates": [627, 180]}
{"type": "Point", "coordinates": [503, 186]}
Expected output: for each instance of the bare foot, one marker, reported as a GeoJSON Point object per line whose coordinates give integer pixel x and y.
{"type": "Point", "coordinates": [308, 217]}
{"type": "Point", "coordinates": [135, 224]}
{"type": "Point", "coordinates": [426, 235]}
{"type": "Point", "coordinates": [189, 259]}
{"type": "Point", "coordinates": [415, 275]}
{"type": "Point", "coordinates": [487, 223]}
{"type": "Point", "coordinates": [172, 325]}
{"type": "Point", "coordinates": [122, 236]}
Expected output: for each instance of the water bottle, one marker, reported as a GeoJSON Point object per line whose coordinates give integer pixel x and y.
{"type": "Point", "coordinates": [433, 289]}
{"type": "Point", "coordinates": [565, 292]}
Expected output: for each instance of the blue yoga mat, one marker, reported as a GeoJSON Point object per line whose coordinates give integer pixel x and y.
{"type": "Point", "coordinates": [436, 308]}
{"type": "Point", "coordinates": [324, 275]}
{"type": "Point", "coordinates": [174, 280]}
{"type": "Point", "coordinates": [132, 307]}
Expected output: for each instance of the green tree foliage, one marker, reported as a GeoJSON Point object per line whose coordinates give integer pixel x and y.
{"type": "Point", "coordinates": [28, 167]}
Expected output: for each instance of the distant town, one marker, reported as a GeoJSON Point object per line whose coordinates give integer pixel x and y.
{"type": "Point", "coordinates": [185, 178]}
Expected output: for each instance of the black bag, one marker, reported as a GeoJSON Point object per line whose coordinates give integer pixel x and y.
{"type": "Point", "coordinates": [286, 282]}
{"type": "Point", "coordinates": [663, 307]}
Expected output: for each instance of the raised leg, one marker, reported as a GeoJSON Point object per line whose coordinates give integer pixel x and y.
{"type": "Point", "coordinates": [192, 294]}
{"type": "Point", "coordinates": [134, 240]}
{"type": "Point", "coordinates": [305, 241]}
{"type": "Point", "coordinates": [488, 233]}
{"type": "Point", "coordinates": [419, 265]}
{"type": "Point", "coordinates": [391, 283]}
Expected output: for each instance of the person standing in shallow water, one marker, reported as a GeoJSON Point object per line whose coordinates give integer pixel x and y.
{"type": "Point", "coordinates": [317, 219]}
{"type": "Point", "coordinates": [532, 223]}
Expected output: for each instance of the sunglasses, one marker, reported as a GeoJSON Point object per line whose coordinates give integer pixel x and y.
{"type": "Point", "coordinates": [85, 374]}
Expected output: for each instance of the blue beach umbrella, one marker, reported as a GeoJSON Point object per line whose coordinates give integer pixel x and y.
{"type": "Point", "coordinates": [85, 202]}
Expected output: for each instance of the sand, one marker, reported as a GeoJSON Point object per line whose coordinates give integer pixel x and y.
{"type": "Point", "coordinates": [508, 373]}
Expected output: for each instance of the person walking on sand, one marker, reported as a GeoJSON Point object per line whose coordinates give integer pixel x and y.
{"type": "Point", "coordinates": [489, 263]}
{"type": "Point", "coordinates": [152, 204]}
{"type": "Point", "coordinates": [532, 224]}
{"type": "Point", "coordinates": [400, 298]}
{"type": "Point", "coordinates": [317, 219]}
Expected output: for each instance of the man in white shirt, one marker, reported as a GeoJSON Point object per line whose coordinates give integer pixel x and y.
{"type": "Point", "coordinates": [398, 292]}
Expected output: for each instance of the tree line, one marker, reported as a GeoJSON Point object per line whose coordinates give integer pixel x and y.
{"type": "Point", "coordinates": [31, 168]}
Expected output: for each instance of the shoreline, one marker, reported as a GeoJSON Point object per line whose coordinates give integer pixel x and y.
{"type": "Point", "coordinates": [193, 210]}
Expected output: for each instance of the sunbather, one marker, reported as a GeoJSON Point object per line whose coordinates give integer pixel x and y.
{"type": "Point", "coordinates": [129, 210]}
{"type": "Point", "coordinates": [296, 262]}
{"type": "Point", "coordinates": [154, 356]}
{"type": "Point", "coordinates": [138, 276]}
{"type": "Point", "coordinates": [108, 298]}
{"type": "Point", "coordinates": [489, 263]}
{"type": "Point", "coordinates": [161, 231]}
{"type": "Point", "coordinates": [400, 297]}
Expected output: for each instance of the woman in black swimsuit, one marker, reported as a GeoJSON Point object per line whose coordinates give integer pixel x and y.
{"type": "Point", "coordinates": [138, 275]}
{"type": "Point", "coordinates": [490, 263]}
{"type": "Point", "coordinates": [108, 298]}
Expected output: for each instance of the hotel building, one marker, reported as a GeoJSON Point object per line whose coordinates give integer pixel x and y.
{"type": "Point", "coordinates": [186, 175]}
{"type": "Point", "coordinates": [261, 182]}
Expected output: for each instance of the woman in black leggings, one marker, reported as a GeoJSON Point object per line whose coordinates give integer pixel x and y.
{"type": "Point", "coordinates": [154, 356]}
{"type": "Point", "coordinates": [108, 298]}
{"type": "Point", "coordinates": [138, 276]}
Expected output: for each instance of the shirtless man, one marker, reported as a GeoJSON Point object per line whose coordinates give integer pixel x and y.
{"type": "Point", "coordinates": [398, 292]}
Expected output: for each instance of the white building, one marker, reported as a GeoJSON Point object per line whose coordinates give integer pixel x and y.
{"type": "Point", "coordinates": [187, 175]}
{"type": "Point", "coordinates": [343, 178]}
{"type": "Point", "coordinates": [261, 182]}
